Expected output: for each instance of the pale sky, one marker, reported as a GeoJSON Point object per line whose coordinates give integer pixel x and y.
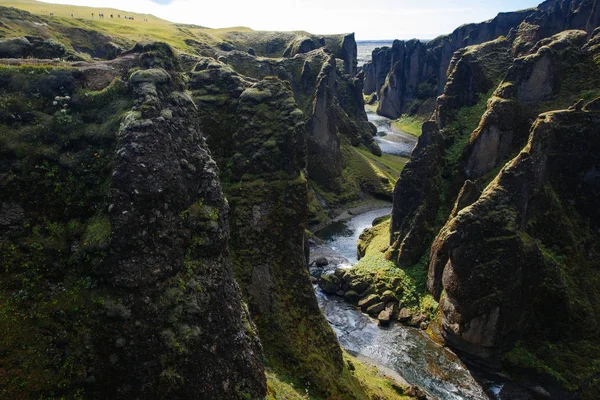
{"type": "Point", "coordinates": [369, 19]}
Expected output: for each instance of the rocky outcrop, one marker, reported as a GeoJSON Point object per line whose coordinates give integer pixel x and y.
{"type": "Point", "coordinates": [401, 85]}
{"type": "Point", "coordinates": [552, 17]}
{"type": "Point", "coordinates": [133, 279]}
{"type": "Point", "coordinates": [330, 97]}
{"type": "Point", "coordinates": [290, 44]}
{"type": "Point", "coordinates": [523, 30]}
{"type": "Point", "coordinates": [530, 80]}
{"type": "Point", "coordinates": [428, 66]}
{"type": "Point", "coordinates": [37, 47]}
{"type": "Point", "coordinates": [473, 71]}
{"type": "Point", "coordinates": [257, 134]}
{"type": "Point", "coordinates": [492, 258]}
{"type": "Point", "coordinates": [416, 198]}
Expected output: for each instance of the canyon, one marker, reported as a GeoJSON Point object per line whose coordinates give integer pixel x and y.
{"type": "Point", "coordinates": [164, 190]}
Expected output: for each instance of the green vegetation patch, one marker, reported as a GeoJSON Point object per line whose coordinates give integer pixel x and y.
{"type": "Point", "coordinates": [358, 381]}
{"type": "Point", "coordinates": [409, 124]}
{"type": "Point", "coordinates": [407, 284]}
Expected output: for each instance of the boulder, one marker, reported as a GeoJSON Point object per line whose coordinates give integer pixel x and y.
{"type": "Point", "coordinates": [368, 301]}
{"type": "Point", "coordinates": [329, 283]}
{"type": "Point", "coordinates": [404, 315]}
{"type": "Point", "coordinates": [388, 296]}
{"type": "Point", "coordinates": [386, 315]}
{"type": "Point", "coordinates": [375, 309]}
{"type": "Point", "coordinates": [352, 296]}
{"type": "Point", "coordinates": [321, 262]}
{"type": "Point", "coordinates": [359, 285]}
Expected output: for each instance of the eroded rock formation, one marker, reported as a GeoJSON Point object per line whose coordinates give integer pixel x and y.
{"type": "Point", "coordinates": [132, 282]}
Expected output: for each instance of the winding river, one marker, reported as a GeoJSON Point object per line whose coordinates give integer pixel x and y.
{"type": "Point", "coordinates": [402, 352]}
{"type": "Point", "coordinates": [391, 140]}
{"type": "Point", "coordinates": [407, 351]}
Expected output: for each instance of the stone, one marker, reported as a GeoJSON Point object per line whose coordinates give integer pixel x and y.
{"type": "Point", "coordinates": [359, 285]}
{"type": "Point", "coordinates": [375, 308]}
{"type": "Point", "coordinates": [404, 315]}
{"type": "Point", "coordinates": [321, 262]}
{"type": "Point", "coordinates": [388, 296]}
{"type": "Point", "coordinates": [368, 301]}
{"type": "Point", "coordinates": [386, 315]}
{"type": "Point", "coordinates": [329, 283]}
{"type": "Point", "coordinates": [352, 296]}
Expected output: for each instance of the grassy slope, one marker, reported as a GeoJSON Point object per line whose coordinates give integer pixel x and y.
{"type": "Point", "coordinates": [362, 379]}
{"type": "Point", "coordinates": [408, 284]}
{"type": "Point", "coordinates": [138, 30]}
{"type": "Point", "coordinates": [410, 125]}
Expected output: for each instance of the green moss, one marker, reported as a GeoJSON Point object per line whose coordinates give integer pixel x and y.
{"type": "Point", "coordinates": [358, 381]}
{"type": "Point", "coordinates": [376, 176]}
{"type": "Point", "coordinates": [408, 284]}
{"type": "Point", "coordinates": [97, 234]}
{"type": "Point", "coordinates": [409, 124]}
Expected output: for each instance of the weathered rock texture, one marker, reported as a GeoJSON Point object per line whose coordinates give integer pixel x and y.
{"type": "Point", "coordinates": [530, 80]}
{"type": "Point", "coordinates": [513, 259]}
{"type": "Point", "coordinates": [429, 65]}
{"type": "Point", "coordinates": [330, 97]}
{"type": "Point", "coordinates": [494, 259]}
{"type": "Point", "coordinates": [415, 198]}
{"type": "Point", "coordinates": [257, 133]}
{"type": "Point", "coordinates": [114, 231]}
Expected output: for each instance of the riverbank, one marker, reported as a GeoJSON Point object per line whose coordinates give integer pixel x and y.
{"type": "Point", "coordinates": [407, 125]}
{"type": "Point", "coordinates": [403, 353]}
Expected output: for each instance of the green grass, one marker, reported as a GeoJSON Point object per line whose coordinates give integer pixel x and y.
{"type": "Point", "coordinates": [408, 284]}
{"type": "Point", "coordinates": [375, 175]}
{"type": "Point", "coordinates": [128, 32]}
{"type": "Point", "coordinates": [361, 382]}
{"type": "Point", "coordinates": [411, 125]}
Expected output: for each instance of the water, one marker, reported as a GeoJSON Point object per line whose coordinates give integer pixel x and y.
{"type": "Point", "coordinates": [407, 351]}
{"type": "Point", "coordinates": [391, 140]}
{"type": "Point", "coordinates": [342, 236]}
{"type": "Point", "coordinates": [365, 48]}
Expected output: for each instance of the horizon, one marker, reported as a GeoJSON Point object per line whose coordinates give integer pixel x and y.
{"type": "Point", "coordinates": [380, 20]}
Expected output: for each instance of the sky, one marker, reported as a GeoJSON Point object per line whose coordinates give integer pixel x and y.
{"type": "Point", "coordinates": [369, 19]}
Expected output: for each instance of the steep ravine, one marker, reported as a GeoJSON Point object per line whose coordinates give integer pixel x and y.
{"type": "Point", "coordinates": [407, 351]}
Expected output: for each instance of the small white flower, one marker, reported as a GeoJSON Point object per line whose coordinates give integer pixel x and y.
{"type": "Point", "coordinates": [57, 98]}
{"type": "Point", "coordinates": [54, 102]}
{"type": "Point", "coordinates": [63, 111]}
{"type": "Point", "coordinates": [68, 97]}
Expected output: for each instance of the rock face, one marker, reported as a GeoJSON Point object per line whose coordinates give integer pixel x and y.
{"type": "Point", "coordinates": [510, 194]}
{"type": "Point", "coordinates": [431, 67]}
{"type": "Point", "coordinates": [132, 250]}
{"type": "Point", "coordinates": [401, 85]}
{"type": "Point", "coordinates": [416, 197]}
{"type": "Point", "coordinates": [491, 259]}
{"type": "Point", "coordinates": [473, 71]}
{"type": "Point", "coordinates": [424, 66]}
{"type": "Point", "coordinates": [531, 79]}
{"type": "Point", "coordinates": [257, 134]}
{"type": "Point", "coordinates": [329, 96]}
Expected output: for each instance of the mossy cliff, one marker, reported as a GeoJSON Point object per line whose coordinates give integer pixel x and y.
{"type": "Point", "coordinates": [508, 196]}
{"type": "Point", "coordinates": [408, 76]}
{"type": "Point", "coordinates": [257, 133]}
{"type": "Point", "coordinates": [114, 241]}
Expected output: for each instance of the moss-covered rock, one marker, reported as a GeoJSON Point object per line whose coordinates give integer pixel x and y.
{"type": "Point", "coordinates": [114, 232]}
{"type": "Point", "coordinates": [497, 261]}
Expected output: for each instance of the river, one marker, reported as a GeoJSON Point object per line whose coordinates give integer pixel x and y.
{"type": "Point", "coordinates": [407, 351]}
{"type": "Point", "coordinates": [390, 139]}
